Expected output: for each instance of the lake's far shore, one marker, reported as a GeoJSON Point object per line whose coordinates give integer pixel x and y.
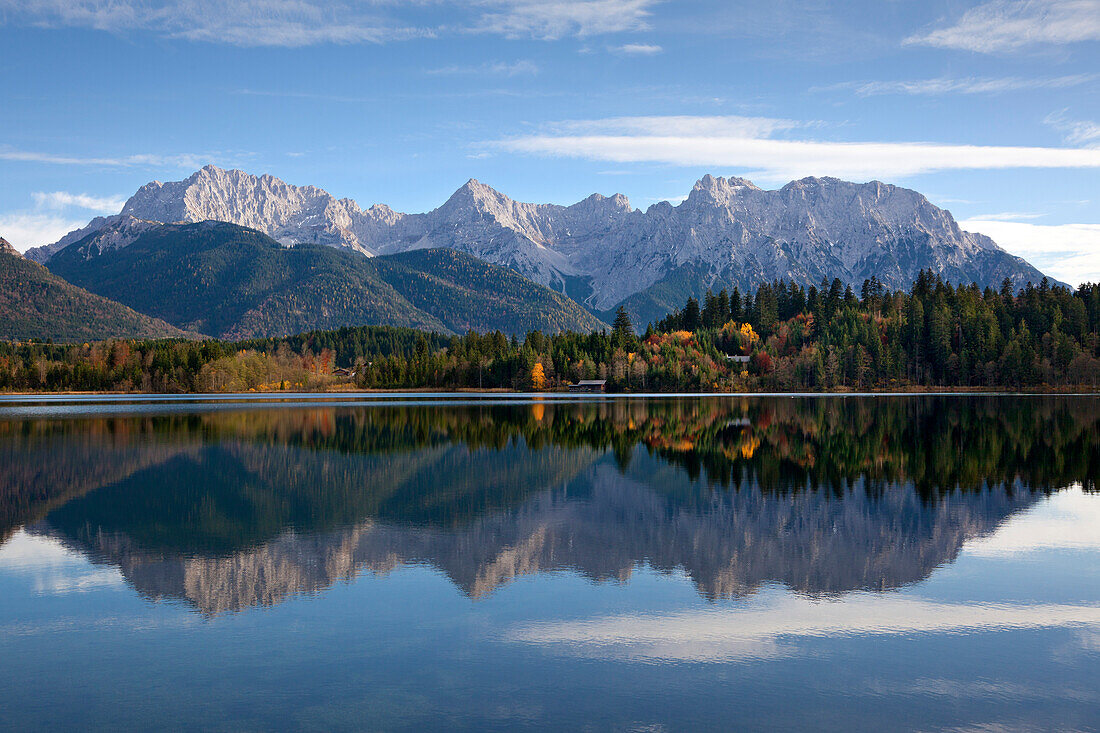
{"type": "Point", "coordinates": [349, 389]}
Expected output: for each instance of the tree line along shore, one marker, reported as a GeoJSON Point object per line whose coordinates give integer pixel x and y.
{"type": "Point", "coordinates": [782, 337]}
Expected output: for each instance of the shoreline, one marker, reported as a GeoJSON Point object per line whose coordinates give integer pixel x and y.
{"type": "Point", "coordinates": [501, 392]}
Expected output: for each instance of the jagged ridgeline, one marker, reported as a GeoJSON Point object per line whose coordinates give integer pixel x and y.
{"type": "Point", "coordinates": [231, 282]}
{"type": "Point", "coordinates": [231, 508]}
{"type": "Point", "coordinates": [601, 251]}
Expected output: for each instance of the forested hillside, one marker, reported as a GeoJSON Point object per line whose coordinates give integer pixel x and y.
{"type": "Point", "coordinates": [782, 337]}
{"type": "Point", "coordinates": [470, 294]}
{"type": "Point", "coordinates": [37, 304]}
{"type": "Point", "coordinates": [936, 334]}
{"type": "Point", "coordinates": [231, 282]}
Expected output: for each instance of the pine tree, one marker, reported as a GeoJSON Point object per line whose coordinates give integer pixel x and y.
{"type": "Point", "coordinates": [736, 313]}
{"type": "Point", "coordinates": [691, 315]}
{"type": "Point", "coordinates": [622, 326]}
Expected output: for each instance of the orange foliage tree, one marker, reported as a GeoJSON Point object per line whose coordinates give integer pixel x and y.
{"type": "Point", "coordinates": [538, 377]}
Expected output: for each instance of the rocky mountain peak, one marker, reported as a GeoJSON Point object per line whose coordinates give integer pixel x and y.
{"type": "Point", "coordinates": [597, 204]}
{"type": "Point", "coordinates": [614, 201]}
{"type": "Point", "coordinates": [7, 248]}
{"type": "Point", "coordinates": [478, 195]}
{"type": "Point", "coordinates": [122, 231]}
{"type": "Point", "coordinates": [711, 190]}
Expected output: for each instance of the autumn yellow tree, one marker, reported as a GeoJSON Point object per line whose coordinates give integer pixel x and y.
{"type": "Point", "coordinates": [538, 377]}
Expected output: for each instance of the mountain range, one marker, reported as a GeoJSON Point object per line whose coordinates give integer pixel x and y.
{"type": "Point", "coordinates": [602, 252]}
{"type": "Point", "coordinates": [606, 530]}
{"type": "Point", "coordinates": [273, 258]}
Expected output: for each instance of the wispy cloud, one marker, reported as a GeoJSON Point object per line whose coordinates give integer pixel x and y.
{"type": "Point", "coordinates": [1076, 132]}
{"type": "Point", "coordinates": [1007, 25]}
{"type": "Point", "coordinates": [1069, 252]}
{"type": "Point", "coordinates": [637, 49]}
{"type": "Point", "coordinates": [238, 22]}
{"type": "Point", "coordinates": [287, 94]}
{"type": "Point", "coordinates": [1010, 216]}
{"type": "Point", "coordinates": [181, 160]}
{"type": "Point", "coordinates": [64, 200]}
{"type": "Point", "coordinates": [676, 125]}
{"type": "Point", "coordinates": [551, 19]}
{"type": "Point", "coordinates": [498, 68]}
{"type": "Point", "coordinates": [674, 200]}
{"type": "Point", "coordinates": [971, 85]}
{"type": "Point", "coordinates": [775, 627]}
{"type": "Point", "coordinates": [296, 23]}
{"type": "Point", "coordinates": [750, 146]}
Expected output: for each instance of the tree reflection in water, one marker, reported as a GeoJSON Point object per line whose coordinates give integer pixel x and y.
{"type": "Point", "coordinates": [247, 507]}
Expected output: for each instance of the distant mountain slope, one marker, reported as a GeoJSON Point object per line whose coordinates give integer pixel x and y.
{"type": "Point", "coordinates": [468, 293]}
{"type": "Point", "coordinates": [34, 303]}
{"type": "Point", "coordinates": [601, 251]}
{"type": "Point", "coordinates": [232, 282]}
{"type": "Point", "coordinates": [670, 293]}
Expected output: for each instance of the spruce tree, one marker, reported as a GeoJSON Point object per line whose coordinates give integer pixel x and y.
{"type": "Point", "coordinates": [622, 325]}
{"type": "Point", "coordinates": [691, 315]}
{"type": "Point", "coordinates": [622, 331]}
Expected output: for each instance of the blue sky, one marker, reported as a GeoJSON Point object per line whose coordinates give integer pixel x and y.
{"type": "Point", "coordinates": [990, 109]}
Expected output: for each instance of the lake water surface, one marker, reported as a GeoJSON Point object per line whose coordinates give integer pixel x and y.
{"type": "Point", "coordinates": [651, 564]}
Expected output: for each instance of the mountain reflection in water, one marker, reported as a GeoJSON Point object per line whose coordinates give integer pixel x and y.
{"type": "Point", "coordinates": [237, 508]}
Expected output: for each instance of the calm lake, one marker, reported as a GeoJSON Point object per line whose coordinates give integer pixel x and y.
{"type": "Point", "coordinates": [650, 564]}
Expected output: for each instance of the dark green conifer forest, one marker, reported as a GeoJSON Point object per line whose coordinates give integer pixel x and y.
{"type": "Point", "coordinates": [783, 337]}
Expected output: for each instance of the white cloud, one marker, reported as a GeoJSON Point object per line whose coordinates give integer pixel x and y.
{"type": "Point", "coordinates": [182, 160]}
{"type": "Point", "coordinates": [53, 568]}
{"type": "Point", "coordinates": [637, 49]}
{"type": "Point", "coordinates": [1006, 25]}
{"type": "Point", "coordinates": [499, 68]}
{"type": "Point", "coordinates": [674, 200]}
{"type": "Point", "coordinates": [1008, 216]}
{"type": "Point", "coordinates": [970, 85]}
{"type": "Point", "coordinates": [238, 22]}
{"type": "Point", "coordinates": [64, 199]}
{"type": "Point", "coordinates": [1068, 520]}
{"type": "Point", "coordinates": [58, 584]}
{"type": "Point", "coordinates": [1077, 132]}
{"type": "Point", "coordinates": [677, 125]}
{"type": "Point", "coordinates": [551, 19]}
{"type": "Point", "coordinates": [748, 145]}
{"type": "Point", "coordinates": [25, 551]}
{"type": "Point", "coordinates": [768, 629]}
{"type": "Point", "coordinates": [296, 23]}
{"type": "Point", "coordinates": [1069, 252]}
{"type": "Point", "coordinates": [52, 218]}
{"type": "Point", "coordinates": [32, 229]}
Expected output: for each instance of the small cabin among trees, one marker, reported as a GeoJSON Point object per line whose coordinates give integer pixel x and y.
{"type": "Point", "coordinates": [589, 385]}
